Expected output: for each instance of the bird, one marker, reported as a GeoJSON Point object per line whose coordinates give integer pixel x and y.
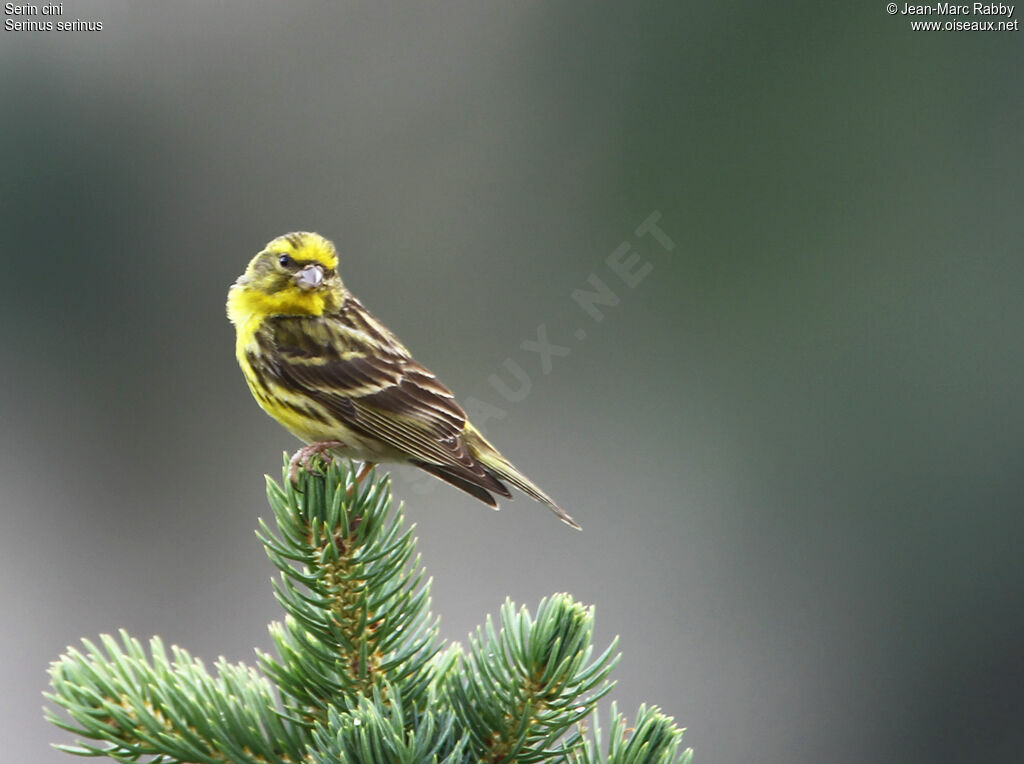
{"type": "Point", "coordinates": [334, 376]}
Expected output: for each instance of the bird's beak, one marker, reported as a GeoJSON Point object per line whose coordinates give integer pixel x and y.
{"type": "Point", "coordinates": [310, 277]}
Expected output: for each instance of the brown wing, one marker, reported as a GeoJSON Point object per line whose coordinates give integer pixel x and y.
{"type": "Point", "coordinates": [376, 389]}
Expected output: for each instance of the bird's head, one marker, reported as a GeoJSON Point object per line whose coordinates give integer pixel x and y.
{"type": "Point", "coordinates": [294, 274]}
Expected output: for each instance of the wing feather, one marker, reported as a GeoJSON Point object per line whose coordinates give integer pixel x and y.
{"type": "Point", "coordinates": [375, 388]}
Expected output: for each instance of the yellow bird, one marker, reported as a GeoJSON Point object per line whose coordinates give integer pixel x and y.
{"type": "Point", "coordinates": [335, 377]}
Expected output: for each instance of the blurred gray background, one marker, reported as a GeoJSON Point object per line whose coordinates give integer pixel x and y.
{"type": "Point", "coordinates": [795, 446]}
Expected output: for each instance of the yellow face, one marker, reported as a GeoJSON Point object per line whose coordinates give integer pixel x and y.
{"type": "Point", "coordinates": [293, 275]}
{"type": "Point", "coordinates": [305, 247]}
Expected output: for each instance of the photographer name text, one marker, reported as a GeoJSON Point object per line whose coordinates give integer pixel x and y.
{"type": "Point", "coordinates": [950, 9]}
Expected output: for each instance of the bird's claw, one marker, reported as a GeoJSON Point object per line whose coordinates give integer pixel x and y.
{"type": "Point", "coordinates": [304, 456]}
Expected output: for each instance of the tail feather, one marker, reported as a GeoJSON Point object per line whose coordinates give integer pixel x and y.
{"type": "Point", "coordinates": [487, 473]}
{"type": "Point", "coordinates": [500, 468]}
{"type": "Point", "coordinates": [505, 471]}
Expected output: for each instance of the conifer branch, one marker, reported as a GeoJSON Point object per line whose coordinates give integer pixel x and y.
{"type": "Point", "coordinates": [357, 610]}
{"type": "Point", "coordinates": [654, 739]}
{"type": "Point", "coordinates": [359, 675]}
{"type": "Point", "coordinates": [169, 707]}
{"type": "Point", "coordinates": [377, 731]}
{"type": "Point", "coordinates": [520, 689]}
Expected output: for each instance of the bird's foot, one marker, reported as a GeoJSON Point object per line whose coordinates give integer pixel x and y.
{"type": "Point", "coordinates": [304, 455]}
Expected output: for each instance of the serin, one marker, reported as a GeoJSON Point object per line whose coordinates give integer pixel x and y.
{"type": "Point", "coordinates": [335, 377]}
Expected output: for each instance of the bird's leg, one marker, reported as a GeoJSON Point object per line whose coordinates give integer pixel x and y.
{"type": "Point", "coordinates": [364, 471]}
{"type": "Point", "coordinates": [302, 457]}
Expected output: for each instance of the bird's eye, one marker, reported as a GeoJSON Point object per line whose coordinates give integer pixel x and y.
{"type": "Point", "coordinates": [286, 261]}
